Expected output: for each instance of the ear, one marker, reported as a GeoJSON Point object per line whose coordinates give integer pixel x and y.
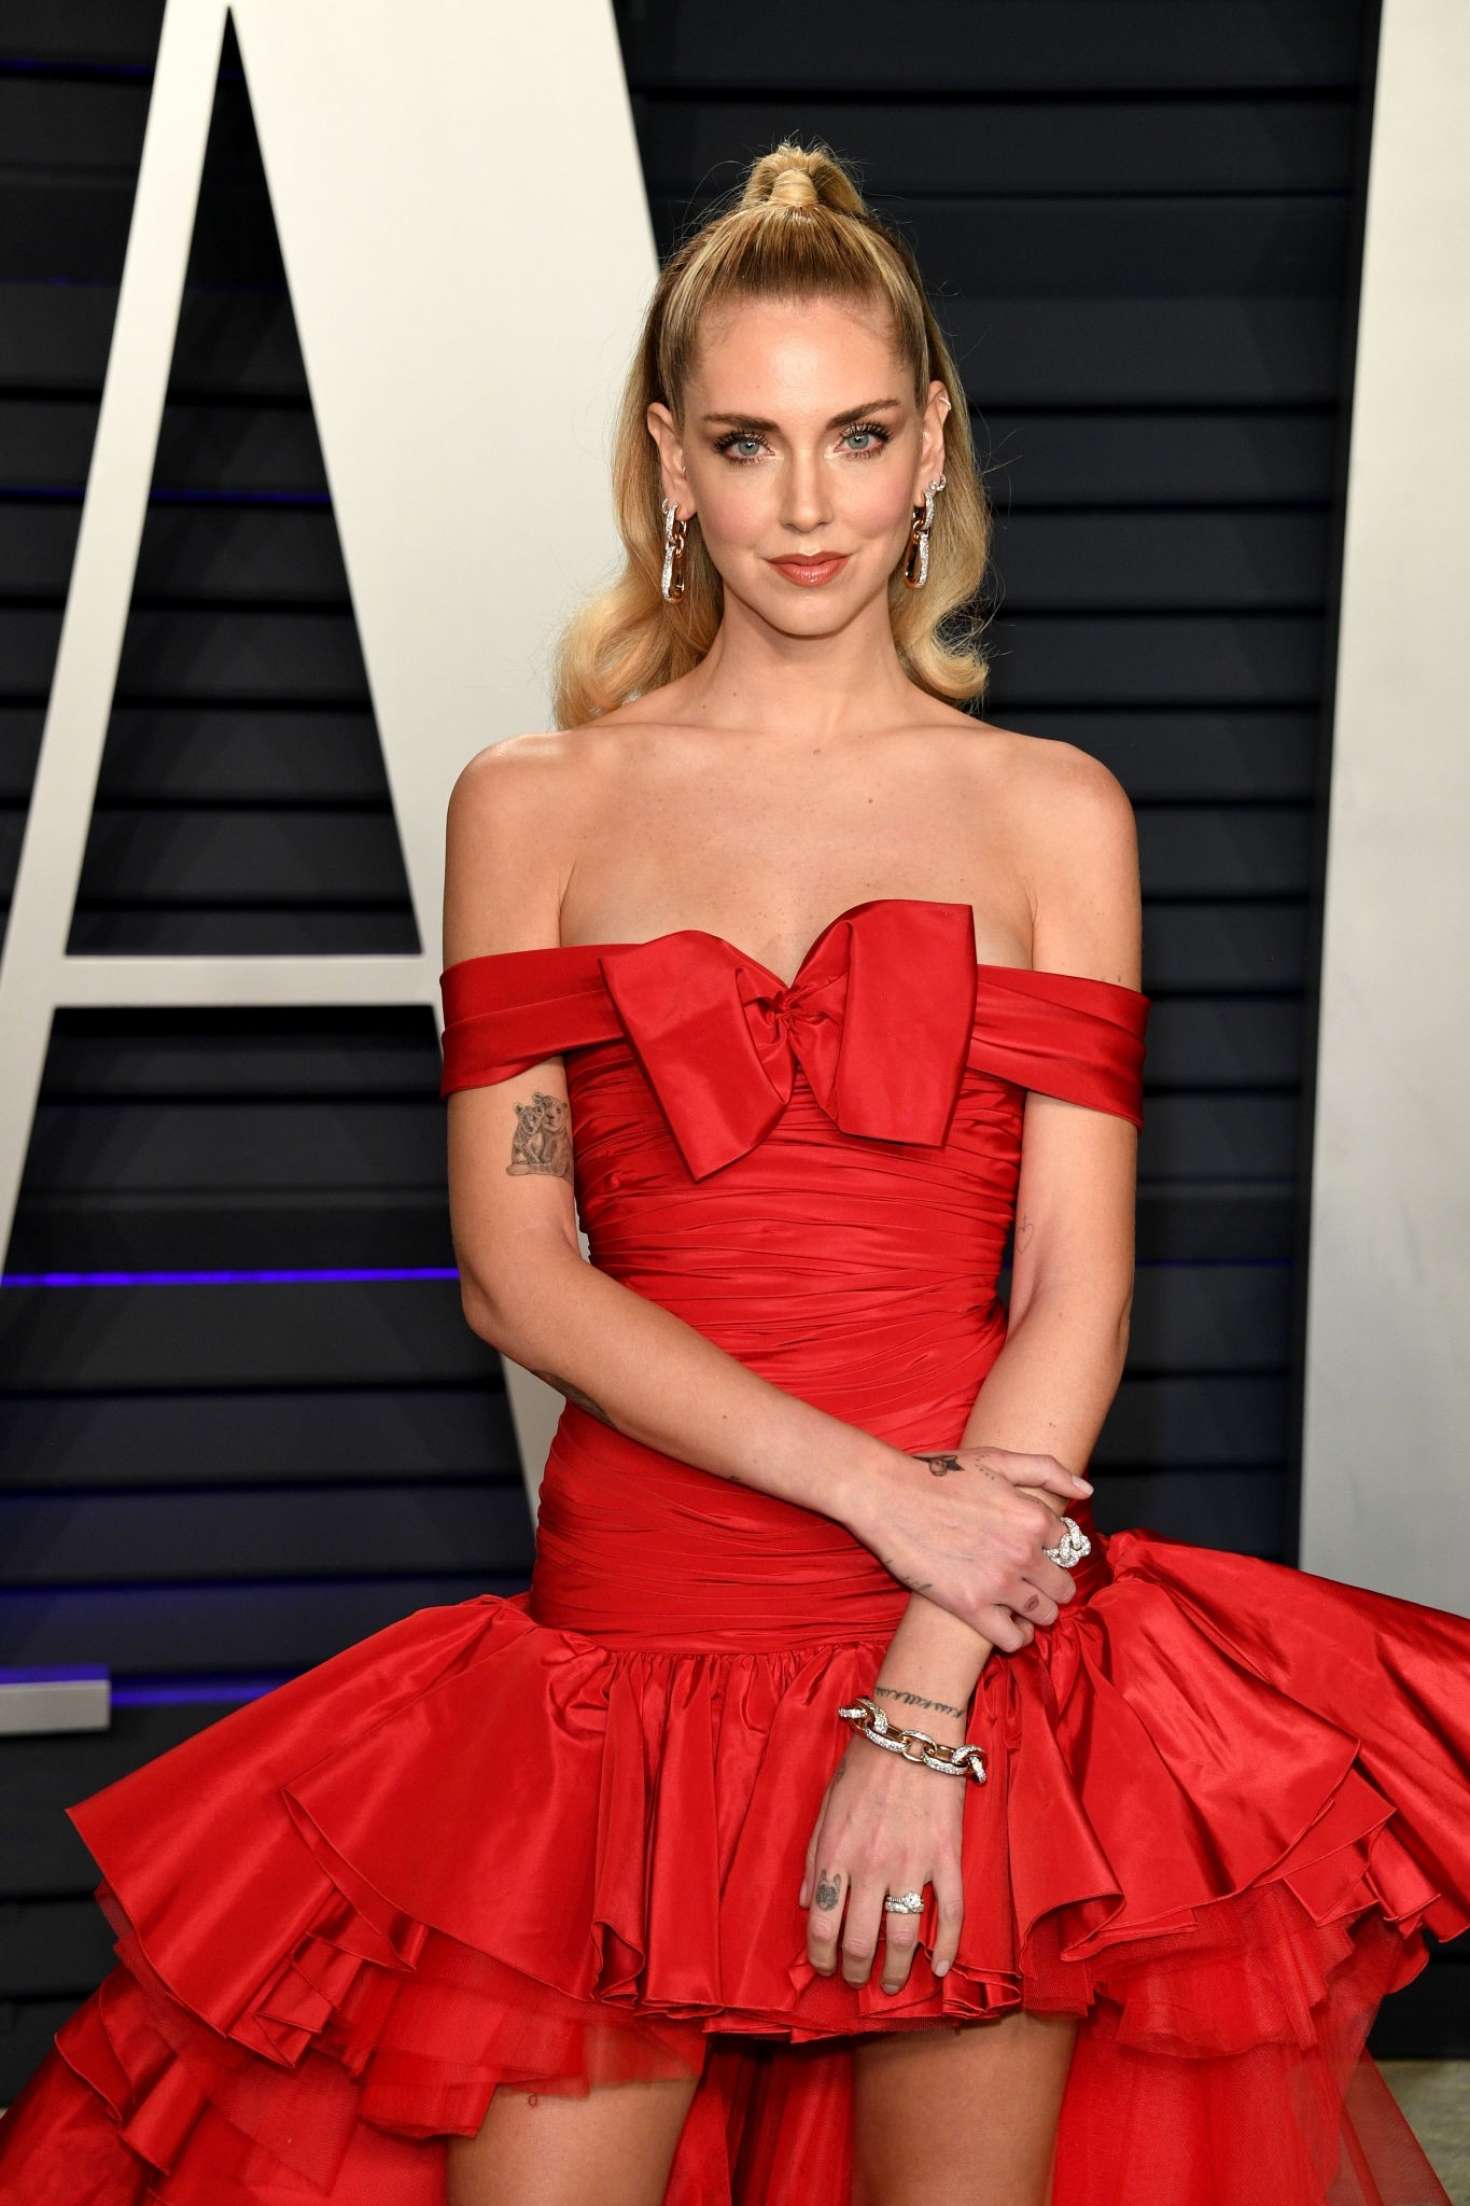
{"type": "Point", "coordinates": [664, 430]}
{"type": "Point", "coordinates": [931, 442]}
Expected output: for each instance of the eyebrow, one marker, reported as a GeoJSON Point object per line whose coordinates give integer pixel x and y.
{"type": "Point", "coordinates": [754, 421]}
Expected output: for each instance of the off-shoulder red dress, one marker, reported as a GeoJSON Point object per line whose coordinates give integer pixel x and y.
{"type": "Point", "coordinates": [557, 1839]}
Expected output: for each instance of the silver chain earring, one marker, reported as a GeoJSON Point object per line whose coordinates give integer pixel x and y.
{"type": "Point", "coordinates": [916, 557]}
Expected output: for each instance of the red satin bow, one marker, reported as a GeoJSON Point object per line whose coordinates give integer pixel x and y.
{"type": "Point", "coordinates": [879, 1017]}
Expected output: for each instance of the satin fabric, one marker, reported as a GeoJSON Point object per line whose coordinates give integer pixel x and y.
{"type": "Point", "coordinates": [556, 1840]}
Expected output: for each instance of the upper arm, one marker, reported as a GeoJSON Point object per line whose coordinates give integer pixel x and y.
{"type": "Point", "coordinates": [509, 1142]}
{"type": "Point", "coordinates": [1078, 1185]}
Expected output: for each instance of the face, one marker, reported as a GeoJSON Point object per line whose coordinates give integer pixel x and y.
{"type": "Point", "coordinates": [801, 438]}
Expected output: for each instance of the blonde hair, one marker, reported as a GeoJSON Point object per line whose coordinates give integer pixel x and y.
{"type": "Point", "coordinates": [798, 228]}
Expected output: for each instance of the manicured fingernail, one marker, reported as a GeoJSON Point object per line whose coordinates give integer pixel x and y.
{"type": "Point", "coordinates": [1085, 1484]}
{"type": "Point", "coordinates": [941, 1968]}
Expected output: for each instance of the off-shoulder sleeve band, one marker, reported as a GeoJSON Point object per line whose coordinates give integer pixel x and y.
{"type": "Point", "coordinates": [1080, 1039]}
{"type": "Point", "coordinates": [508, 1010]}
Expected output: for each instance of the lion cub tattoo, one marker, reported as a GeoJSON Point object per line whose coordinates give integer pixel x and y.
{"type": "Point", "coordinates": [542, 1141]}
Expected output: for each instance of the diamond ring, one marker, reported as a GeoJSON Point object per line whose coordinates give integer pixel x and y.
{"type": "Point", "coordinates": [904, 1903]}
{"type": "Point", "coordinates": [1072, 1548]}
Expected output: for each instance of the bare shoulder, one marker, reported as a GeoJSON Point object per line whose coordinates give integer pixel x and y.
{"type": "Point", "coordinates": [1077, 839]}
{"type": "Point", "coordinates": [510, 831]}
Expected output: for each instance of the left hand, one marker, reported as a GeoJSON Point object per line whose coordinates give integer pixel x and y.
{"type": "Point", "coordinates": [885, 1825]}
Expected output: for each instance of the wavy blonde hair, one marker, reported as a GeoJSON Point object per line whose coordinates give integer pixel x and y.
{"type": "Point", "coordinates": [799, 227]}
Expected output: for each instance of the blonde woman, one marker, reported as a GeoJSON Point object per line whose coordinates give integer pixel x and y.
{"type": "Point", "coordinates": [840, 1815]}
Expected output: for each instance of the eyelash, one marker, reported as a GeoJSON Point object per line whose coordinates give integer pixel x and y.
{"type": "Point", "coordinates": [857, 429]}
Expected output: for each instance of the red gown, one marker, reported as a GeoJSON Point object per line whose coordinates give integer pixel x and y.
{"type": "Point", "coordinates": [557, 1839]}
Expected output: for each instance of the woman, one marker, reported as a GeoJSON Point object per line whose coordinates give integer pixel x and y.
{"type": "Point", "coordinates": [808, 984]}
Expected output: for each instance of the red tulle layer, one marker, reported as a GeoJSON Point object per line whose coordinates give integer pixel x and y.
{"type": "Point", "coordinates": [1226, 1802]}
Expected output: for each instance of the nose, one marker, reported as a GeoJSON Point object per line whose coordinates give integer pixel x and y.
{"type": "Point", "coordinates": [808, 504]}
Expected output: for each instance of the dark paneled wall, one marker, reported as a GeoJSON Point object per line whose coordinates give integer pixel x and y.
{"type": "Point", "coordinates": [1140, 226]}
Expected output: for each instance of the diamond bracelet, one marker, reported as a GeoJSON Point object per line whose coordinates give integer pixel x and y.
{"type": "Point", "coordinates": [965, 1760]}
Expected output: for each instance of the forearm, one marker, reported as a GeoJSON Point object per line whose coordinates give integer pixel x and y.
{"type": "Point", "coordinates": [645, 1372]}
{"type": "Point", "coordinates": [1047, 1392]}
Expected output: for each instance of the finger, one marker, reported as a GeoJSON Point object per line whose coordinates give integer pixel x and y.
{"type": "Point", "coordinates": [900, 1937]}
{"type": "Point", "coordinates": [1032, 1603]}
{"type": "Point", "coordinates": [824, 1919]}
{"type": "Point", "coordinates": [949, 1901]}
{"type": "Point", "coordinates": [1056, 1478]}
{"type": "Point", "coordinates": [1053, 1578]}
{"type": "Point", "coordinates": [805, 1896]}
{"type": "Point", "coordinates": [860, 1931]}
{"type": "Point", "coordinates": [1004, 1629]}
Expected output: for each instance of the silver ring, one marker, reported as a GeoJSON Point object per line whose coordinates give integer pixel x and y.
{"type": "Point", "coordinates": [904, 1903]}
{"type": "Point", "coordinates": [1072, 1548]}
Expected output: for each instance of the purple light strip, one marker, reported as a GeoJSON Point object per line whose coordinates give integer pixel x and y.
{"type": "Point", "coordinates": [272, 1276]}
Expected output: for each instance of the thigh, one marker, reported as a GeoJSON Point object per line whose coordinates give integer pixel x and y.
{"type": "Point", "coordinates": [616, 2146]}
{"type": "Point", "coordinates": [961, 2115]}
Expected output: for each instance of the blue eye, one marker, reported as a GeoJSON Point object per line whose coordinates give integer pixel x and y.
{"type": "Point", "coordinates": [738, 436]}
{"type": "Point", "coordinates": [870, 429]}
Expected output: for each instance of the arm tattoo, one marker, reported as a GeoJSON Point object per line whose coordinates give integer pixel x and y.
{"type": "Point", "coordinates": [1025, 1227]}
{"type": "Point", "coordinates": [542, 1140]}
{"type": "Point", "coordinates": [575, 1394]}
{"type": "Point", "coordinates": [917, 1700]}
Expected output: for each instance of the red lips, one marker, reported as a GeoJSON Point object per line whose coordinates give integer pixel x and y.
{"type": "Point", "coordinates": [807, 573]}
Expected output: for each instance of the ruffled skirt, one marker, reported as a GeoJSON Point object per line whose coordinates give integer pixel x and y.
{"type": "Point", "coordinates": [1227, 1800]}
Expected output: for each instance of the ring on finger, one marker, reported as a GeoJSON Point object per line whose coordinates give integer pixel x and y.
{"type": "Point", "coordinates": [904, 1903]}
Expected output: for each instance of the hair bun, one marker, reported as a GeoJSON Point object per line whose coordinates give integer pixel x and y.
{"type": "Point", "coordinates": [794, 188]}
{"type": "Point", "coordinates": [794, 175]}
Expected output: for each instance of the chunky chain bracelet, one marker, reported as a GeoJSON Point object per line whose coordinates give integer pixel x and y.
{"type": "Point", "coordinates": [965, 1760]}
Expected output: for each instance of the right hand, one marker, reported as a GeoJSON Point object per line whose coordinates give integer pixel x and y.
{"type": "Point", "coordinates": [958, 1526]}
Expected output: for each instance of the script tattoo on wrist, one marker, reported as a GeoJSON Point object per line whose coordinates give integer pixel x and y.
{"type": "Point", "coordinates": [542, 1140]}
{"type": "Point", "coordinates": [575, 1394]}
{"type": "Point", "coordinates": [917, 1700]}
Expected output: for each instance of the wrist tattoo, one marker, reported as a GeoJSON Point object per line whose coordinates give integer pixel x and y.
{"type": "Point", "coordinates": [542, 1140]}
{"type": "Point", "coordinates": [575, 1394]}
{"type": "Point", "coordinates": [917, 1700]}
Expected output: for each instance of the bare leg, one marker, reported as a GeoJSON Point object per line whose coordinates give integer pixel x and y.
{"type": "Point", "coordinates": [961, 2116]}
{"type": "Point", "coordinates": [615, 2146]}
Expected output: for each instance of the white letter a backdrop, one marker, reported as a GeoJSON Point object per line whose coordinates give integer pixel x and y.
{"type": "Point", "coordinates": [466, 238]}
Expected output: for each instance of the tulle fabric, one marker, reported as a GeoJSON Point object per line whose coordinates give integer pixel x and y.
{"type": "Point", "coordinates": [555, 1841]}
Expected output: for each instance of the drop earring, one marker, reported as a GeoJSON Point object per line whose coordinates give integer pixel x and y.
{"type": "Point", "coordinates": [673, 580]}
{"type": "Point", "coordinates": [916, 556]}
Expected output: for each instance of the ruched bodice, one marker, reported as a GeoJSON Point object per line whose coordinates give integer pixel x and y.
{"type": "Point", "coordinates": [820, 1175]}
